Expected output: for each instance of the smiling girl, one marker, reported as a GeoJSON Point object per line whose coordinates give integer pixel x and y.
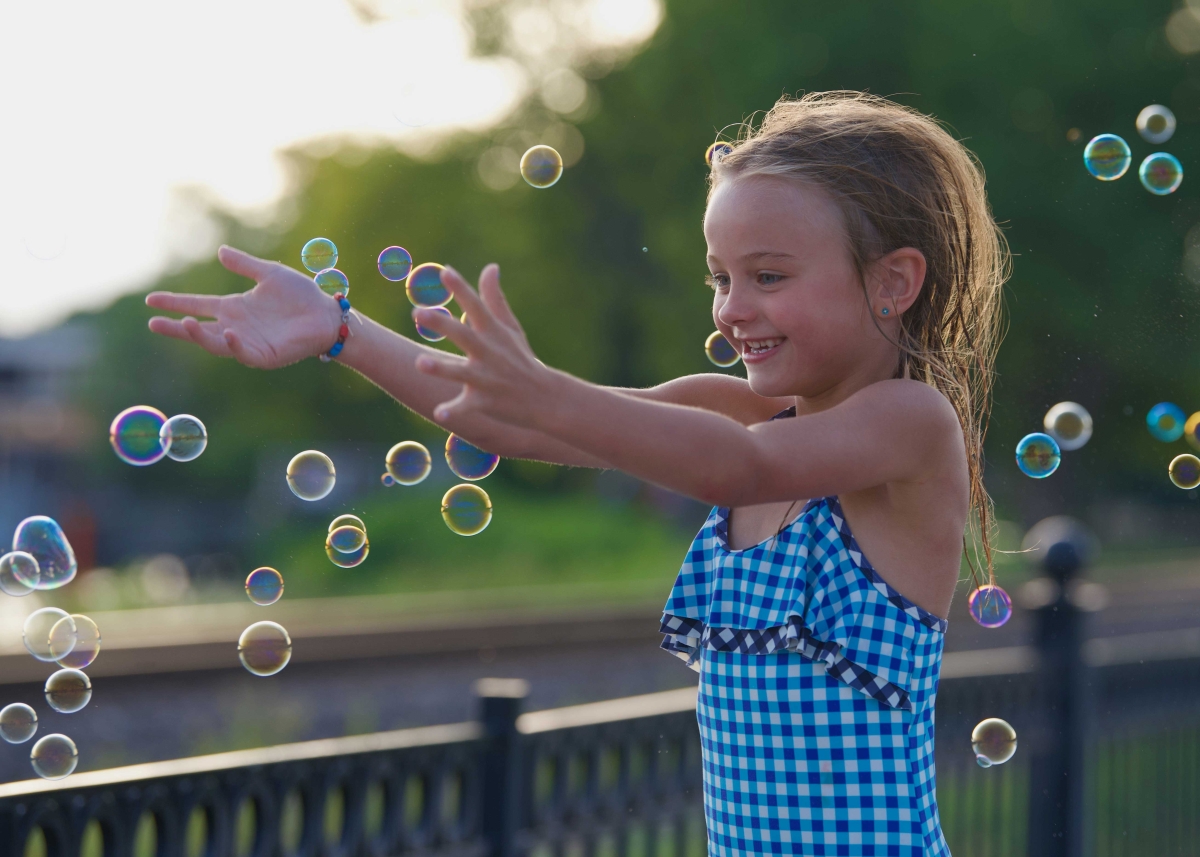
{"type": "Point", "coordinates": [856, 267]}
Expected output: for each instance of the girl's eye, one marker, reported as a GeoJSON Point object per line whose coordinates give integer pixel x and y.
{"type": "Point", "coordinates": [717, 281]}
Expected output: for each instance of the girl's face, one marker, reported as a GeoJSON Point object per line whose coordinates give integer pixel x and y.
{"type": "Point", "coordinates": [787, 295]}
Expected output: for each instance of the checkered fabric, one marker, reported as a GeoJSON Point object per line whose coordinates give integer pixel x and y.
{"type": "Point", "coordinates": [817, 687]}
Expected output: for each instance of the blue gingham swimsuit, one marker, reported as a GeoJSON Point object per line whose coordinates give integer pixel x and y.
{"type": "Point", "coordinates": [817, 685]}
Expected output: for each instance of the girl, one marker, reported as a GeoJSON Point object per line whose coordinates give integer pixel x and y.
{"type": "Point", "coordinates": [856, 267]}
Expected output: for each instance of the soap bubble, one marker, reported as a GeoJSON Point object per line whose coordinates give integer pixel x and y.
{"type": "Point", "coordinates": [36, 633]}
{"type": "Point", "coordinates": [716, 151]}
{"type": "Point", "coordinates": [319, 254]}
{"type": "Point", "coordinates": [719, 351]}
{"type": "Point", "coordinates": [1038, 455]}
{"type": "Point", "coordinates": [54, 757]}
{"type": "Point", "coordinates": [264, 586]}
{"type": "Point", "coordinates": [467, 509]}
{"type": "Point", "coordinates": [19, 573]}
{"type": "Point", "coordinates": [87, 641]}
{"type": "Point", "coordinates": [432, 335]}
{"type": "Point", "coordinates": [541, 166]}
{"type": "Point", "coordinates": [1069, 424]}
{"type": "Point", "coordinates": [136, 435]}
{"type": "Point", "coordinates": [1156, 124]}
{"type": "Point", "coordinates": [347, 539]}
{"type": "Point", "coordinates": [310, 475]}
{"type": "Point", "coordinates": [184, 436]}
{"type": "Point", "coordinates": [1106, 157]}
{"type": "Point", "coordinates": [1161, 173]}
{"type": "Point", "coordinates": [68, 691]}
{"type": "Point", "coordinates": [1166, 422]}
{"type": "Point", "coordinates": [409, 462]}
{"type": "Point", "coordinates": [468, 461]}
{"type": "Point", "coordinates": [387, 479]}
{"type": "Point", "coordinates": [18, 722]}
{"type": "Point", "coordinates": [424, 287]}
{"type": "Point", "coordinates": [395, 263]}
{"type": "Point", "coordinates": [994, 740]}
{"type": "Point", "coordinates": [1184, 471]}
{"type": "Point", "coordinates": [990, 606]}
{"type": "Point", "coordinates": [346, 560]}
{"type": "Point", "coordinates": [44, 539]}
{"type": "Point", "coordinates": [332, 281]}
{"type": "Point", "coordinates": [347, 521]}
{"type": "Point", "coordinates": [265, 648]}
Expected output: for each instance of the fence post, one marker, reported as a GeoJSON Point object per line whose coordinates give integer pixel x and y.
{"type": "Point", "coordinates": [1057, 787]}
{"type": "Point", "coordinates": [499, 705]}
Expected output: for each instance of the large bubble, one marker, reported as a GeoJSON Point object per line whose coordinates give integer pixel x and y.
{"type": "Point", "coordinates": [1070, 424]}
{"type": "Point", "coordinates": [310, 475]}
{"type": "Point", "coordinates": [395, 263]}
{"type": "Point", "coordinates": [319, 254]}
{"type": "Point", "coordinates": [54, 757]}
{"type": "Point", "coordinates": [68, 691]}
{"type": "Point", "coordinates": [719, 351]}
{"type": "Point", "coordinates": [409, 462]}
{"type": "Point", "coordinates": [136, 435]}
{"type": "Point", "coordinates": [467, 509]}
{"type": "Point", "coordinates": [468, 461]}
{"type": "Point", "coordinates": [265, 648]}
{"type": "Point", "coordinates": [1166, 422]}
{"type": "Point", "coordinates": [424, 287]}
{"type": "Point", "coordinates": [18, 723]}
{"type": "Point", "coordinates": [541, 166]}
{"type": "Point", "coordinates": [994, 742]}
{"type": "Point", "coordinates": [184, 436]}
{"type": "Point", "coordinates": [19, 573]}
{"type": "Point", "coordinates": [36, 634]}
{"type": "Point", "coordinates": [1107, 157]}
{"type": "Point", "coordinates": [45, 540]}
{"type": "Point", "coordinates": [1038, 455]}
{"type": "Point", "coordinates": [264, 586]}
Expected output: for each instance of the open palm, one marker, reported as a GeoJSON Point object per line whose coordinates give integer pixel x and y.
{"type": "Point", "coordinates": [284, 318]}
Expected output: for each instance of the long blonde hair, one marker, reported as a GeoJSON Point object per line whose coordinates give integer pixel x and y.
{"type": "Point", "coordinates": [901, 180]}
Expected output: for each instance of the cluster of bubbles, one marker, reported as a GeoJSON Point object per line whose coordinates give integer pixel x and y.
{"type": "Point", "coordinates": [466, 508]}
{"type": "Point", "coordinates": [143, 435]}
{"type": "Point", "coordinates": [1167, 422]}
{"type": "Point", "coordinates": [1107, 156]}
{"type": "Point", "coordinates": [42, 558]}
{"type": "Point", "coordinates": [1068, 426]}
{"type": "Point", "coordinates": [346, 542]}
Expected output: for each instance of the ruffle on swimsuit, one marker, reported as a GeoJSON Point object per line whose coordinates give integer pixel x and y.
{"type": "Point", "coordinates": [808, 590]}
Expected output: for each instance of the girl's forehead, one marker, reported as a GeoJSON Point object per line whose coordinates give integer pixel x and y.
{"type": "Point", "coordinates": [770, 210]}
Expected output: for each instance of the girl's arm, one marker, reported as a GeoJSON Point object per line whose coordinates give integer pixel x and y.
{"type": "Point", "coordinates": [886, 432]}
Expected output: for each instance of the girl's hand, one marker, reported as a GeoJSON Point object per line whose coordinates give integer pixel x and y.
{"type": "Point", "coordinates": [500, 375]}
{"type": "Point", "coordinates": [284, 318]}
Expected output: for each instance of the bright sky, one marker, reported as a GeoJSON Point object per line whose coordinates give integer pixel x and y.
{"type": "Point", "coordinates": [114, 108]}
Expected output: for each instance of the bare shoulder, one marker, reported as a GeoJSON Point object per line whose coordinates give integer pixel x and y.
{"type": "Point", "coordinates": [724, 394]}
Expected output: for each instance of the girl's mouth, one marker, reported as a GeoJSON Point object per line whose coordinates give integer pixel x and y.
{"type": "Point", "coordinates": [758, 350]}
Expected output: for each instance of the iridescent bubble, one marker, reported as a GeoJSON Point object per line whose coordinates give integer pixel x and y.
{"type": "Point", "coordinates": [1161, 173]}
{"type": "Point", "coordinates": [136, 435]}
{"type": "Point", "coordinates": [265, 648]}
{"type": "Point", "coordinates": [432, 335]}
{"type": "Point", "coordinates": [1156, 124]}
{"type": "Point", "coordinates": [387, 479]}
{"type": "Point", "coordinates": [995, 740]}
{"type": "Point", "coordinates": [87, 641]}
{"type": "Point", "coordinates": [347, 539]}
{"type": "Point", "coordinates": [184, 436]}
{"type": "Point", "coordinates": [541, 166]}
{"type": "Point", "coordinates": [332, 281]}
{"type": "Point", "coordinates": [44, 539]}
{"type": "Point", "coordinates": [424, 287]}
{"type": "Point", "coordinates": [990, 606]}
{"type": "Point", "coordinates": [347, 521]}
{"type": "Point", "coordinates": [409, 462]}
{"type": "Point", "coordinates": [54, 757]}
{"type": "Point", "coordinates": [319, 254]}
{"type": "Point", "coordinates": [347, 560]}
{"type": "Point", "coordinates": [1069, 424]}
{"type": "Point", "coordinates": [1107, 157]}
{"type": "Point", "coordinates": [1184, 471]}
{"type": "Point", "coordinates": [264, 586]}
{"type": "Point", "coordinates": [310, 475]}
{"type": "Point", "coordinates": [468, 461]}
{"type": "Point", "coordinates": [1191, 430]}
{"type": "Point", "coordinates": [395, 263]}
{"type": "Point", "coordinates": [18, 722]}
{"type": "Point", "coordinates": [19, 573]}
{"type": "Point", "coordinates": [36, 632]}
{"type": "Point", "coordinates": [719, 352]}
{"type": "Point", "coordinates": [1166, 422]}
{"type": "Point", "coordinates": [466, 509]}
{"type": "Point", "coordinates": [716, 151]}
{"type": "Point", "coordinates": [1038, 455]}
{"type": "Point", "coordinates": [68, 691]}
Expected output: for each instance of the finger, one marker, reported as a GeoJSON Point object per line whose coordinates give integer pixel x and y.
{"type": "Point", "coordinates": [241, 262]}
{"type": "Point", "coordinates": [440, 320]}
{"type": "Point", "coordinates": [466, 296]}
{"type": "Point", "coordinates": [205, 305]}
{"type": "Point", "coordinates": [208, 336]}
{"type": "Point", "coordinates": [448, 366]}
{"type": "Point", "coordinates": [493, 297]}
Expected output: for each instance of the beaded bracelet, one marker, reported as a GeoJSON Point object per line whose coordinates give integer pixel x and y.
{"type": "Point", "coordinates": [343, 331]}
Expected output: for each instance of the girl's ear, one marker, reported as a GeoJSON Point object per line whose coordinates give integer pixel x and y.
{"type": "Point", "coordinates": [896, 281]}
